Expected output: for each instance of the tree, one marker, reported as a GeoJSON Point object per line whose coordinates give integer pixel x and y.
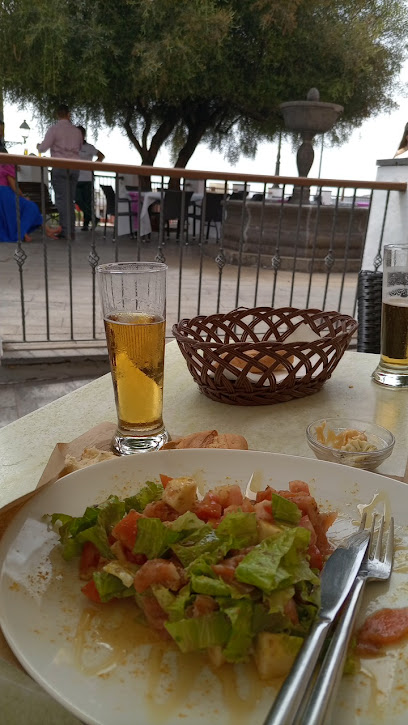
{"type": "Point", "coordinates": [182, 71]}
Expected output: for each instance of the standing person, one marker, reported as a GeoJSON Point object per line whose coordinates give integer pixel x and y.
{"type": "Point", "coordinates": [65, 141]}
{"type": "Point", "coordinates": [84, 186]}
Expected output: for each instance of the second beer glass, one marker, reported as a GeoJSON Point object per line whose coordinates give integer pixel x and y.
{"type": "Point", "coordinates": [392, 369]}
{"type": "Point", "coordinates": [133, 298]}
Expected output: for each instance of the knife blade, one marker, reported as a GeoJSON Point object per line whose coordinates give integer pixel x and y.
{"type": "Point", "coordinates": [337, 579]}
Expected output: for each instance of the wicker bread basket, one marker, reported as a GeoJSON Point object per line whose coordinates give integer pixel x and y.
{"type": "Point", "coordinates": [241, 357]}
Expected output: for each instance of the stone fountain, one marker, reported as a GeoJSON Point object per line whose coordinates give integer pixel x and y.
{"type": "Point", "coordinates": [308, 118]}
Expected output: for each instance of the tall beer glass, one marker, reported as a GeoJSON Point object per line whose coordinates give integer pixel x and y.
{"type": "Point", "coordinates": [133, 298]}
{"type": "Point", "coordinates": [392, 369]}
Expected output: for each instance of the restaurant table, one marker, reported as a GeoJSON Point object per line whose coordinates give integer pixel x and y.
{"type": "Point", "coordinates": [26, 444]}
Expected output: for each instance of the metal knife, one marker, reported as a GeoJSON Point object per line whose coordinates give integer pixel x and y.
{"type": "Point", "coordinates": [337, 579]}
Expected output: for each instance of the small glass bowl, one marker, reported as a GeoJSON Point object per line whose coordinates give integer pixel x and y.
{"type": "Point", "coordinates": [380, 437]}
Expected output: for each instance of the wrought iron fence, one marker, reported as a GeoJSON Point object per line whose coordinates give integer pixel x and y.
{"type": "Point", "coordinates": [229, 240]}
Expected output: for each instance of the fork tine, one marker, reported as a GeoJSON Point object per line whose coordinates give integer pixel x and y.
{"type": "Point", "coordinates": [363, 522]}
{"type": "Point", "coordinates": [389, 550]}
{"type": "Point", "coordinates": [378, 545]}
{"type": "Point", "coordinates": [371, 542]}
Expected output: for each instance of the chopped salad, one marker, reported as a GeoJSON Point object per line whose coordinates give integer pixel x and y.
{"type": "Point", "coordinates": [226, 575]}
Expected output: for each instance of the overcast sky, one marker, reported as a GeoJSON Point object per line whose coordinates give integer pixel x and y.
{"type": "Point", "coordinates": [377, 138]}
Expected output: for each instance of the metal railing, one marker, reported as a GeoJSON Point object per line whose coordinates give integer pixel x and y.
{"type": "Point", "coordinates": [229, 240]}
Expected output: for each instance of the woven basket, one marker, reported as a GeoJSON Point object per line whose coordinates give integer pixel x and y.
{"type": "Point", "coordinates": [241, 357]}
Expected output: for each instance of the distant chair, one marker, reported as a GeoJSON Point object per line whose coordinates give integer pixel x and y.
{"type": "Point", "coordinates": [257, 197]}
{"type": "Point", "coordinates": [213, 213]}
{"type": "Point", "coordinates": [32, 189]}
{"type": "Point", "coordinates": [170, 209]}
{"type": "Point", "coordinates": [238, 195]}
{"type": "Point", "coordinates": [111, 207]}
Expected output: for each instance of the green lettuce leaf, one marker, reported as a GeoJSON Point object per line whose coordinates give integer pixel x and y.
{"type": "Point", "coordinates": [153, 538]}
{"type": "Point", "coordinates": [278, 599]}
{"type": "Point", "coordinates": [110, 512]}
{"type": "Point", "coordinates": [97, 534]}
{"type": "Point", "coordinates": [216, 587]}
{"type": "Point", "coordinates": [202, 565]}
{"type": "Point", "coordinates": [284, 510]}
{"type": "Point", "coordinates": [277, 563]}
{"type": "Point", "coordinates": [110, 587]}
{"type": "Point", "coordinates": [239, 529]}
{"type": "Point", "coordinates": [264, 621]}
{"type": "Point", "coordinates": [201, 632]}
{"type": "Point", "coordinates": [150, 492]}
{"type": "Point", "coordinates": [186, 522]}
{"type": "Point", "coordinates": [94, 525]}
{"type": "Point", "coordinates": [195, 544]}
{"type": "Point", "coordinates": [173, 604]}
{"type": "Point", "coordinates": [240, 640]}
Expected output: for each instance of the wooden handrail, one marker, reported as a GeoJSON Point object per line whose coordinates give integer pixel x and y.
{"type": "Point", "coordinates": [191, 174]}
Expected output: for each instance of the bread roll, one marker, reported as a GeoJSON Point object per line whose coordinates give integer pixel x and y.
{"type": "Point", "coordinates": [209, 439]}
{"type": "Point", "coordinates": [266, 360]}
{"type": "Point", "coordinates": [88, 457]}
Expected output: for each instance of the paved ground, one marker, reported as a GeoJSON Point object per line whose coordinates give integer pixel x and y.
{"type": "Point", "coordinates": [185, 286]}
{"type": "Point", "coordinates": [70, 291]}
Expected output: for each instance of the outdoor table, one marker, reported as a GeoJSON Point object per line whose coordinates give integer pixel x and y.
{"type": "Point", "coordinates": [26, 444]}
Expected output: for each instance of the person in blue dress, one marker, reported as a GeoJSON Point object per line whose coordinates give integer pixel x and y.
{"type": "Point", "coordinates": [30, 216]}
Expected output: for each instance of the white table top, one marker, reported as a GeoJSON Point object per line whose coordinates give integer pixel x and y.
{"type": "Point", "coordinates": [26, 444]}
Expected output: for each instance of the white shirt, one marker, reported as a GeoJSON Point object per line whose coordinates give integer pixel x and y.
{"type": "Point", "coordinates": [87, 153]}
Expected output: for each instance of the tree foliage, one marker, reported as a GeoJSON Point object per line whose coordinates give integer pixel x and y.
{"type": "Point", "coordinates": [182, 71]}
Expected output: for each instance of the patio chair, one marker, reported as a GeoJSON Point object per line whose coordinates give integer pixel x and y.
{"type": "Point", "coordinates": [369, 301]}
{"type": "Point", "coordinates": [111, 207]}
{"type": "Point", "coordinates": [170, 210]}
{"type": "Point", "coordinates": [238, 195]}
{"type": "Point", "coordinates": [213, 213]}
{"type": "Point", "coordinates": [32, 189]}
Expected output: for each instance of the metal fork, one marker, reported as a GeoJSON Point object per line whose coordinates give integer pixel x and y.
{"type": "Point", "coordinates": [376, 566]}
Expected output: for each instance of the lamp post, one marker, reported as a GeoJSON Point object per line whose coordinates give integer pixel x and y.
{"type": "Point", "coordinates": [25, 127]}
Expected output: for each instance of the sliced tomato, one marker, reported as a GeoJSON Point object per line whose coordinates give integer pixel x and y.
{"type": "Point", "coordinates": [126, 530]}
{"type": "Point", "coordinates": [91, 591]}
{"type": "Point", "coordinates": [263, 511]}
{"type": "Point", "coordinates": [299, 487]}
{"type": "Point", "coordinates": [89, 560]}
{"type": "Point", "coordinates": [384, 627]}
{"type": "Point", "coordinates": [227, 495]}
{"type": "Point", "coordinates": [291, 611]}
{"type": "Point", "coordinates": [265, 495]}
{"type": "Point", "coordinates": [157, 571]}
{"type": "Point", "coordinates": [139, 559]}
{"type": "Point", "coordinates": [316, 558]}
{"type": "Point", "coordinates": [160, 510]}
{"type": "Point", "coordinates": [165, 479]}
{"type": "Point", "coordinates": [204, 605]}
{"type": "Point", "coordinates": [207, 510]}
{"type": "Point", "coordinates": [306, 523]}
{"type": "Point", "coordinates": [224, 571]}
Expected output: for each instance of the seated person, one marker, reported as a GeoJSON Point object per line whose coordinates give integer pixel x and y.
{"type": "Point", "coordinates": [30, 217]}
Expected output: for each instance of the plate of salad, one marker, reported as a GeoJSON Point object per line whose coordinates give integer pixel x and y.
{"type": "Point", "coordinates": [158, 588]}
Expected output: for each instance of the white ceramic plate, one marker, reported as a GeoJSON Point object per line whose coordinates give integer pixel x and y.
{"type": "Point", "coordinates": [106, 673]}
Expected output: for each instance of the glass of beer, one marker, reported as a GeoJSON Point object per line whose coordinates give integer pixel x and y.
{"type": "Point", "coordinates": [133, 298]}
{"type": "Point", "coordinates": [392, 369]}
